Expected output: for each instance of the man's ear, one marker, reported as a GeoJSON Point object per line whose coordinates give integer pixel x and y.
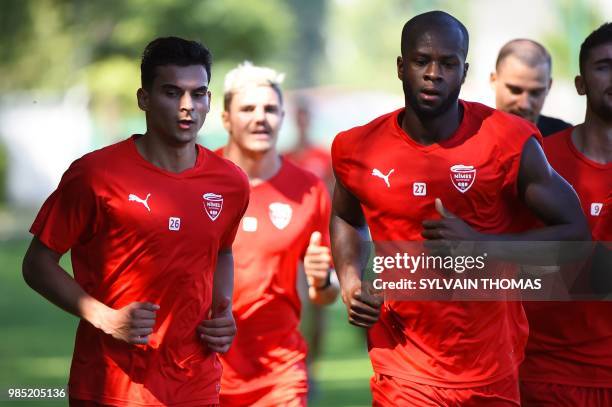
{"type": "Point", "coordinates": [493, 79]}
{"type": "Point", "coordinates": [225, 120]}
{"type": "Point", "coordinates": [143, 99]}
{"type": "Point", "coordinates": [549, 85]}
{"type": "Point", "coordinates": [579, 83]}
{"type": "Point", "coordinates": [209, 101]}
{"type": "Point", "coordinates": [465, 71]}
{"type": "Point", "coordinates": [400, 68]}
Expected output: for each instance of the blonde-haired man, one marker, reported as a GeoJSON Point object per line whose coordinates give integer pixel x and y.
{"type": "Point", "coordinates": [285, 223]}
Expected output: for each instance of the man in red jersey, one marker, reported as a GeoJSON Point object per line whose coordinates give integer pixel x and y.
{"type": "Point", "coordinates": [396, 174]}
{"type": "Point", "coordinates": [318, 161]}
{"type": "Point", "coordinates": [568, 359]}
{"type": "Point", "coordinates": [286, 221]}
{"type": "Point", "coordinates": [150, 223]}
{"type": "Point", "coordinates": [307, 155]}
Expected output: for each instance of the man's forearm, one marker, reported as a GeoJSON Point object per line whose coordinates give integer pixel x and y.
{"type": "Point", "coordinates": [348, 252]}
{"type": "Point", "coordinates": [42, 273]}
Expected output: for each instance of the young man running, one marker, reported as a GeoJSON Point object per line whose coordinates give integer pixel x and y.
{"type": "Point", "coordinates": [286, 222]}
{"type": "Point", "coordinates": [150, 223]}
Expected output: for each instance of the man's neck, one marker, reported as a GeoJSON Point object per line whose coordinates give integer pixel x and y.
{"type": "Point", "coordinates": [172, 158]}
{"type": "Point", "coordinates": [259, 166]}
{"type": "Point", "coordinates": [593, 138]}
{"type": "Point", "coordinates": [430, 130]}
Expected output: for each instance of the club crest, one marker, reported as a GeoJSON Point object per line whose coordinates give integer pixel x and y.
{"type": "Point", "coordinates": [213, 204]}
{"type": "Point", "coordinates": [463, 177]}
{"type": "Point", "coordinates": [280, 214]}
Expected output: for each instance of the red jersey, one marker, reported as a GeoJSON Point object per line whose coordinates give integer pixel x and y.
{"type": "Point", "coordinates": [571, 342]}
{"type": "Point", "coordinates": [273, 236]}
{"type": "Point", "coordinates": [591, 180]}
{"type": "Point", "coordinates": [140, 233]}
{"type": "Point", "coordinates": [396, 180]}
{"type": "Point", "coordinates": [315, 160]}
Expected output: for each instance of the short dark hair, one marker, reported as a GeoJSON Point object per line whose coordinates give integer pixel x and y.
{"type": "Point", "coordinates": [172, 51]}
{"type": "Point", "coordinates": [602, 35]}
{"type": "Point", "coordinates": [421, 23]}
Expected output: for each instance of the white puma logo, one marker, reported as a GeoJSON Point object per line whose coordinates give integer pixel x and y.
{"type": "Point", "coordinates": [135, 198]}
{"type": "Point", "coordinates": [376, 172]}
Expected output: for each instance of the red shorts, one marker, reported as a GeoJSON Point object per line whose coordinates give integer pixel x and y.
{"type": "Point", "coordinates": [388, 391]}
{"type": "Point", "coordinates": [562, 395]}
{"type": "Point", "coordinates": [288, 389]}
{"type": "Point", "coordinates": [278, 395]}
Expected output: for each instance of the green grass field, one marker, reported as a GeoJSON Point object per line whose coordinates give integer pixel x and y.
{"type": "Point", "coordinates": [37, 340]}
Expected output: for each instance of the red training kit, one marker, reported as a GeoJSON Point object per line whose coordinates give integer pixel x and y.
{"type": "Point", "coordinates": [570, 343]}
{"type": "Point", "coordinates": [140, 233]}
{"type": "Point", "coordinates": [396, 180]}
{"type": "Point", "coordinates": [266, 363]}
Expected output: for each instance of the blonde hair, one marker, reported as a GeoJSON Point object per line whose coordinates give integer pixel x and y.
{"type": "Point", "coordinates": [247, 74]}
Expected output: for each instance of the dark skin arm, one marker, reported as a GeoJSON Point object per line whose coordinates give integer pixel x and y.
{"type": "Point", "coordinates": [548, 195]}
{"type": "Point", "coordinates": [347, 228]}
{"type": "Point", "coordinates": [41, 270]}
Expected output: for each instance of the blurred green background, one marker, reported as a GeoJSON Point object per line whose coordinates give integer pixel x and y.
{"type": "Point", "coordinates": [341, 53]}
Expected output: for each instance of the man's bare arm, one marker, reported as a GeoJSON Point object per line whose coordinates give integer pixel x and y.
{"type": "Point", "coordinates": [41, 270]}
{"type": "Point", "coordinates": [550, 197]}
{"type": "Point", "coordinates": [347, 228]}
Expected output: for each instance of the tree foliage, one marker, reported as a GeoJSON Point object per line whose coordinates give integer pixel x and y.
{"type": "Point", "coordinates": [53, 44]}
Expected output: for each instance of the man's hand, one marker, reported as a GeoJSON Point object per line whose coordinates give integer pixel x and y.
{"type": "Point", "coordinates": [219, 331]}
{"type": "Point", "coordinates": [449, 235]}
{"type": "Point", "coordinates": [450, 227]}
{"type": "Point", "coordinates": [317, 262]}
{"type": "Point", "coordinates": [362, 304]}
{"type": "Point", "coordinates": [132, 323]}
